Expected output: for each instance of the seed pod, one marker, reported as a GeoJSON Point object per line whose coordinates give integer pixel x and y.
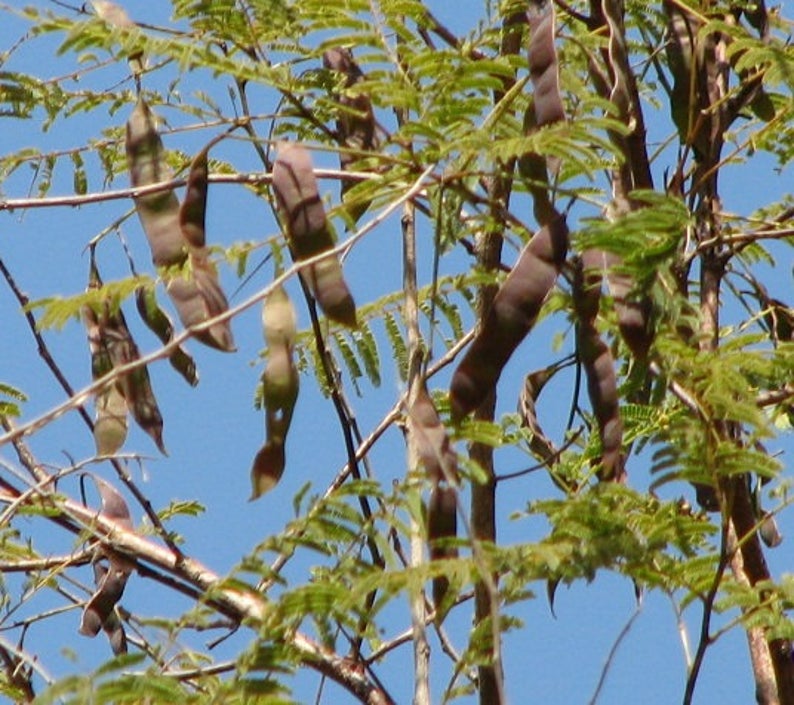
{"type": "Point", "coordinates": [177, 233]}
{"type": "Point", "coordinates": [634, 315]}
{"type": "Point", "coordinates": [110, 426]}
{"type": "Point", "coordinates": [268, 468]}
{"type": "Point", "coordinates": [432, 443]}
{"type": "Point", "coordinates": [112, 346]}
{"type": "Point", "coordinates": [442, 525]}
{"type": "Point", "coordinates": [355, 126]}
{"type": "Point", "coordinates": [598, 364]}
{"type": "Point", "coordinates": [197, 297]}
{"type": "Point", "coordinates": [512, 315]}
{"type": "Point", "coordinates": [158, 212]}
{"type": "Point", "coordinates": [99, 611]}
{"type": "Point", "coordinates": [543, 66]}
{"type": "Point", "coordinates": [303, 217]}
{"type": "Point", "coordinates": [280, 383]}
{"type": "Point", "coordinates": [192, 212]}
{"type": "Point", "coordinates": [158, 322]}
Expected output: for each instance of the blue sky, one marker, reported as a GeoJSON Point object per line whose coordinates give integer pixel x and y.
{"type": "Point", "coordinates": [213, 431]}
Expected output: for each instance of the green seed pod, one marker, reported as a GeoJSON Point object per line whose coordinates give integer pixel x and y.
{"type": "Point", "coordinates": [160, 324]}
{"type": "Point", "coordinates": [110, 426]}
{"type": "Point", "coordinates": [512, 315]}
{"type": "Point", "coordinates": [303, 217]}
{"type": "Point", "coordinates": [279, 321]}
{"type": "Point", "coordinates": [158, 212]}
{"type": "Point", "coordinates": [280, 383]}
{"type": "Point", "coordinates": [192, 212]}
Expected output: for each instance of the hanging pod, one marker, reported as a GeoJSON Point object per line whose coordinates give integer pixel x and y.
{"type": "Point", "coordinates": [112, 346]}
{"type": "Point", "coordinates": [430, 439]}
{"type": "Point", "coordinates": [176, 234]}
{"type": "Point", "coordinates": [598, 365]}
{"type": "Point", "coordinates": [512, 315]}
{"type": "Point", "coordinates": [160, 324]}
{"type": "Point", "coordinates": [355, 126]}
{"type": "Point", "coordinates": [303, 217]}
{"type": "Point", "coordinates": [111, 579]}
{"type": "Point", "coordinates": [442, 528]}
{"type": "Point", "coordinates": [158, 212]}
{"type": "Point", "coordinates": [280, 384]}
{"type": "Point", "coordinates": [544, 68]}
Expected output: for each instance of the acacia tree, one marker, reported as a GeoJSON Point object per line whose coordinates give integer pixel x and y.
{"type": "Point", "coordinates": [561, 166]}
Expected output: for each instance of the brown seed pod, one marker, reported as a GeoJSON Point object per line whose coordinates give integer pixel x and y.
{"type": "Point", "coordinates": [99, 612]}
{"type": "Point", "coordinates": [543, 66]}
{"type": "Point", "coordinates": [512, 315]}
{"type": "Point", "coordinates": [176, 234]}
{"type": "Point", "coordinates": [432, 443]}
{"type": "Point", "coordinates": [442, 525]}
{"type": "Point", "coordinates": [112, 346]}
{"type": "Point", "coordinates": [355, 126]}
{"type": "Point", "coordinates": [598, 364]}
{"type": "Point", "coordinates": [158, 212]}
{"type": "Point", "coordinates": [303, 217]}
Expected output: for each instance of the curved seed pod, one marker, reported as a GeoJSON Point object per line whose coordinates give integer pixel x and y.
{"type": "Point", "coordinates": [512, 315]}
{"type": "Point", "coordinates": [598, 364]}
{"type": "Point", "coordinates": [355, 127]}
{"type": "Point", "coordinates": [110, 424]}
{"type": "Point", "coordinates": [634, 315]}
{"type": "Point", "coordinates": [280, 383]}
{"type": "Point", "coordinates": [268, 468]}
{"type": "Point", "coordinates": [160, 324]}
{"type": "Point", "coordinates": [112, 346]}
{"type": "Point", "coordinates": [197, 297]}
{"type": "Point", "coordinates": [432, 443]}
{"type": "Point", "coordinates": [192, 212]}
{"type": "Point", "coordinates": [303, 218]}
{"type": "Point", "coordinates": [769, 532]}
{"type": "Point", "coordinates": [99, 611]}
{"type": "Point", "coordinates": [158, 212]}
{"type": "Point", "coordinates": [543, 66]}
{"type": "Point", "coordinates": [442, 525]}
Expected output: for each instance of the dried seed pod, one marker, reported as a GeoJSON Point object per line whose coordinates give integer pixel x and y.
{"type": "Point", "coordinates": [158, 212]}
{"type": "Point", "coordinates": [175, 233]}
{"type": "Point", "coordinates": [198, 297]}
{"type": "Point", "coordinates": [432, 443]}
{"type": "Point", "coordinates": [442, 525]}
{"type": "Point", "coordinates": [634, 314]}
{"type": "Point", "coordinates": [112, 346]}
{"type": "Point", "coordinates": [355, 126]}
{"type": "Point", "coordinates": [192, 212]}
{"type": "Point", "coordinates": [543, 66]}
{"type": "Point", "coordinates": [303, 218]}
{"type": "Point", "coordinates": [160, 324]}
{"type": "Point", "coordinates": [268, 468]}
{"type": "Point", "coordinates": [99, 611]}
{"type": "Point", "coordinates": [512, 315]}
{"type": "Point", "coordinates": [598, 364]}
